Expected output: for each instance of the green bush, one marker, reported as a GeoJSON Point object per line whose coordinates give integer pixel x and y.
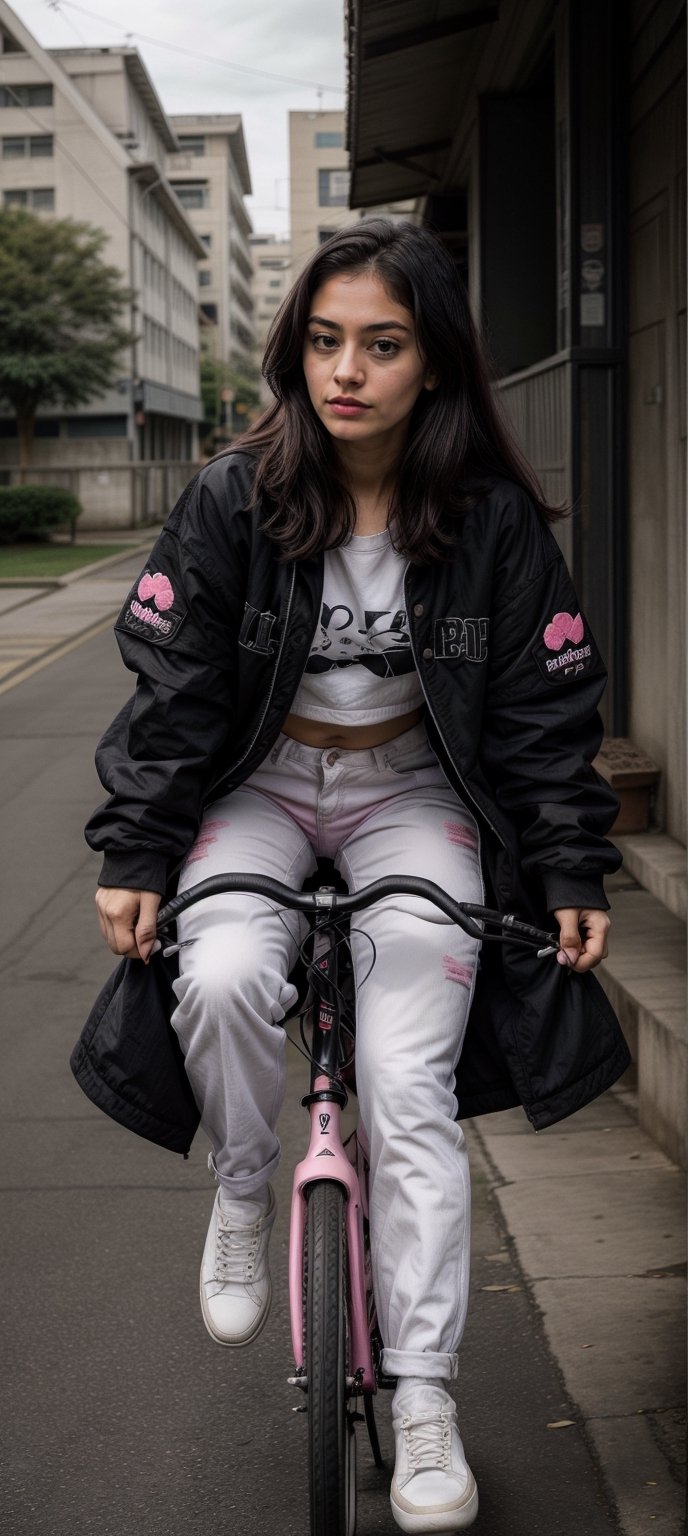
{"type": "Point", "coordinates": [28, 513]}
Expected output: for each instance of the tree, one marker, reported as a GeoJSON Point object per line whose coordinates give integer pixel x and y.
{"type": "Point", "coordinates": [60, 305]}
{"type": "Point", "coordinates": [241, 400]}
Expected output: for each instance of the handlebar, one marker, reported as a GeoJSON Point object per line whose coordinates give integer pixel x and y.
{"type": "Point", "coordinates": [467, 915]}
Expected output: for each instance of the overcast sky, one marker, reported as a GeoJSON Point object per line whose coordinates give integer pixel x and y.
{"type": "Point", "coordinates": [301, 39]}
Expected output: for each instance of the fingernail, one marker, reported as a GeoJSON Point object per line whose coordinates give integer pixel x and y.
{"type": "Point", "coordinates": [561, 958]}
{"type": "Point", "coordinates": [155, 946]}
{"type": "Point", "coordinates": [571, 955]}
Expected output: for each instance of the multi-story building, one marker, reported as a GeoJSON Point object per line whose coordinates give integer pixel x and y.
{"type": "Point", "coordinates": [83, 136]}
{"type": "Point", "coordinates": [319, 181]}
{"type": "Point", "coordinates": [320, 184]}
{"type": "Point", "coordinates": [271, 284]}
{"type": "Point", "coordinates": [209, 171]}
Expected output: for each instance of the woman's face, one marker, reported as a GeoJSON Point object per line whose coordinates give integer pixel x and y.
{"type": "Point", "coordinates": [361, 363]}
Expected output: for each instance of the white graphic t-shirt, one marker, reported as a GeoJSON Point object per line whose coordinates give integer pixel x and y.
{"type": "Point", "coordinates": [361, 666]}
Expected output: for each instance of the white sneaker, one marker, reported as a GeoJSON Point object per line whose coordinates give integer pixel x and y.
{"type": "Point", "coordinates": [236, 1290]}
{"type": "Point", "coordinates": [433, 1488]}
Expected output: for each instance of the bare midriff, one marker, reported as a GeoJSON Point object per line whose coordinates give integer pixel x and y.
{"type": "Point", "coordinates": [318, 733]}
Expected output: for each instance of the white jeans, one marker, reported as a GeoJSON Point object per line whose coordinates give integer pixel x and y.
{"type": "Point", "coordinates": [383, 811]}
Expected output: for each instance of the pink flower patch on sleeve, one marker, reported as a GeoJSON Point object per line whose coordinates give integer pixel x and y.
{"type": "Point", "coordinates": [563, 627]}
{"type": "Point", "coordinates": [159, 587]}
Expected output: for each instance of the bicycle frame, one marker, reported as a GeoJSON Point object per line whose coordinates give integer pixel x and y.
{"type": "Point", "coordinates": [327, 1158]}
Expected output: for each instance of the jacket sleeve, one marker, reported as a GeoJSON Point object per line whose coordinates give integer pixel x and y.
{"type": "Point", "coordinates": [177, 632]}
{"type": "Point", "coordinates": [541, 727]}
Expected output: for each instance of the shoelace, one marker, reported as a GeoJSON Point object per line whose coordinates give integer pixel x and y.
{"type": "Point", "coordinates": [235, 1252]}
{"type": "Point", "coordinates": [428, 1441]}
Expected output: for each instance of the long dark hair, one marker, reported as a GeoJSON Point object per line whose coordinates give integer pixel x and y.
{"type": "Point", "coordinates": [457, 442]}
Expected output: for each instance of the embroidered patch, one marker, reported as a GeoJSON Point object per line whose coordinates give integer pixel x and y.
{"type": "Point", "coordinates": [579, 655]}
{"type": "Point", "coordinates": [563, 627]}
{"type": "Point", "coordinates": [159, 587]}
{"type": "Point", "coordinates": [458, 639]}
{"type": "Point", "coordinates": [149, 612]}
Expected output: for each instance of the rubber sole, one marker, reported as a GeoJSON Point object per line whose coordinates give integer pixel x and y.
{"type": "Point", "coordinates": [245, 1338]}
{"type": "Point", "coordinates": [426, 1524]}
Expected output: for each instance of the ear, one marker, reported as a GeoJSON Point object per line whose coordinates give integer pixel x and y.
{"type": "Point", "coordinates": [431, 381]}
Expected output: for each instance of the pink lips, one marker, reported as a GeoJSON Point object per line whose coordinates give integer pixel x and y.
{"type": "Point", "coordinates": [347, 407]}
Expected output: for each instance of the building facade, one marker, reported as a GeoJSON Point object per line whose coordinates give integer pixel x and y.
{"type": "Point", "coordinates": [210, 175]}
{"type": "Point", "coordinates": [548, 148]}
{"type": "Point", "coordinates": [272, 281]}
{"type": "Point", "coordinates": [318, 181]}
{"type": "Point", "coordinates": [84, 137]}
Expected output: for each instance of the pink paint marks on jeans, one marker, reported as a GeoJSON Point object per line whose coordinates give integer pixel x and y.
{"type": "Point", "coordinates": [206, 837]}
{"type": "Point", "coordinates": [455, 971]}
{"type": "Point", "coordinates": [457, 832]}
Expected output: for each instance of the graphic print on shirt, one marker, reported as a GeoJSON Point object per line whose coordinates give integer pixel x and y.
{"type": "Point", "coordinates": [376, 638]}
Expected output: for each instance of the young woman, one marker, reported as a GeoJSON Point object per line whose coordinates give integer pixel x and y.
{"type": "Point", "coordinates": [356, 637]}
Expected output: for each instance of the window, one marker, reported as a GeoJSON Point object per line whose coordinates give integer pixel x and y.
{"type": "Point", "coordinates": [191, 143]}
{"type": "Point", "coordinates": [204, 278]}
{"type": "Point", "coordinates": [32, 144]}
{"type": "Point", "coordinates": [272, 263]}
{"type": "Point", "coordinates": [329, 140]}
{"type": "Point", "coordinates": [333, 189]}
{"type": "Point", "coordinates": [324, 234]}
{"type": "Point", "coordinates": [26, 95]}
{"type": "Point", "coordinates": [210, 311]}
{"type": "Point", "coordinates": [207, 241]}
{"type": "Point", "coordinates": [8, 43]}
{"type": "Point", "coordinates": [31, 197]}
{"type": "Point", "coordinates": [96, 426]}
{"type": "Point", "coordinates": [190, 194]}
{"type": "Point", "coordinates": [275, 282]}
{"type": "Point", "coordinates": [42, 197]}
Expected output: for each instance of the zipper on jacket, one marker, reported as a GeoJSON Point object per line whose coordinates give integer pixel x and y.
{"type": "Point", "coordinates": [268, 701]}
{"type": "Point", "coordinates": [440, 733]}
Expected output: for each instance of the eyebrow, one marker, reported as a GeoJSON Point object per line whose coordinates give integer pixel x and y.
{"type": "Point", "coordinates": [379, 325]}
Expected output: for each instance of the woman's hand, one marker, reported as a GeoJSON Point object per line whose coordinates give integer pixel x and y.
{"type": "Point", "coordinates": [127, 920]}
{"type": "Point", "coordinates": [582, 954]}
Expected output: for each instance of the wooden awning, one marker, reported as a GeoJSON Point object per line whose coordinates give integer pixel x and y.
{"type": "Point", "coordinates": [410, 64]}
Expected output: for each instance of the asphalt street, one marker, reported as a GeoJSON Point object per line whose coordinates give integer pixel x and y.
{"type": "Point", "coordinates": [120, 1414]}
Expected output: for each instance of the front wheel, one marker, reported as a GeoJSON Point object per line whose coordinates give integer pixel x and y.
{"type": "Point", "coordinates": [331, 1436]}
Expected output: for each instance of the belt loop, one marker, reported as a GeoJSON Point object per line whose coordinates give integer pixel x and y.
{"type": "Point", "coordinates": [381, 755]}
{"type": "Point", "coordinates": [279, 749]}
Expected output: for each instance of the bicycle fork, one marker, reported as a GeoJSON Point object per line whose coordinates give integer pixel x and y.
{"type": "Point", "coordinates": [327, 1158]}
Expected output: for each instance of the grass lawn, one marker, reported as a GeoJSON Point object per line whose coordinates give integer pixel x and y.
{"type": "Point", "coordinates": [27, 560]}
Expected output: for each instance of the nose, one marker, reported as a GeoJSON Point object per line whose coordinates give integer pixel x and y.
{"type": "Point", "coordinates": [348, 370]}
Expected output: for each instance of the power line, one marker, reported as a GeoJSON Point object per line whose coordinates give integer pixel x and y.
{"type": "Point", "coordinates": [54, 5]}
{"type": "Point", "coordinates": [206, 58]}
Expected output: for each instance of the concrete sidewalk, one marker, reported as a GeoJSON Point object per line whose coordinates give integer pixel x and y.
{"type": "Point", "coordinates": [595, 1215]}
{"type": "Point", "coordinates": [39, 622]}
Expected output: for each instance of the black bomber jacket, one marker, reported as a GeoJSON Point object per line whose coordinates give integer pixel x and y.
{"type": "Point", "coordinates": [218, 630]}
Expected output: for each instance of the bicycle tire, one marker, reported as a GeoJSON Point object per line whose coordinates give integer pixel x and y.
{"type": "Point", "coordinates": [331, 1435]}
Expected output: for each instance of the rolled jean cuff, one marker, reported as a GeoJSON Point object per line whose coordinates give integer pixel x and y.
{"type": "Point", "coordinates": [247, 1183]}
{"type": "Point", "coordinates": [420, 1362]}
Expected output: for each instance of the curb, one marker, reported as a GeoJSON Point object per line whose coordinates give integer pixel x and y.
{"type": "Point", "coordinates": [54, 583]}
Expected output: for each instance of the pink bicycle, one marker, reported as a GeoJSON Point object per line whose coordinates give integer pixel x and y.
{"type": "Point", "coordinates": [335, 1338]}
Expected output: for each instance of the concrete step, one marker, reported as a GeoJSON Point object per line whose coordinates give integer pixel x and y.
{"type": "Point", "coordinates": [645, 981]}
